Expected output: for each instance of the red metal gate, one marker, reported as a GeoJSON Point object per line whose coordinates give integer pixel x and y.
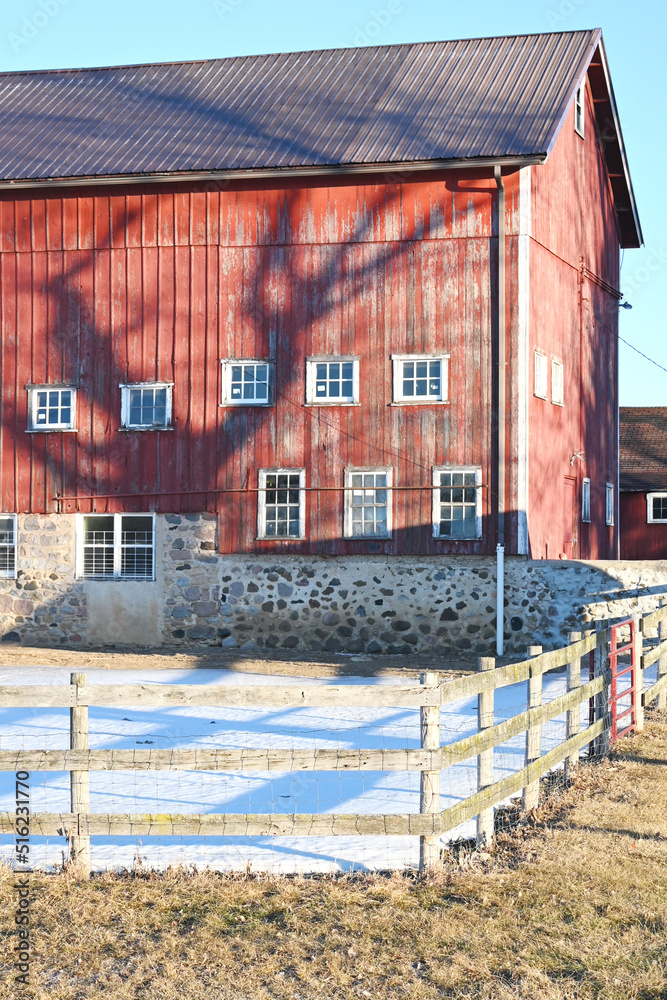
{"type": "Point", "coordinates": [626, 667]}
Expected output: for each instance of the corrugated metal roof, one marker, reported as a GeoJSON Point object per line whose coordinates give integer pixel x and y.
{"type": "Point", "coordinates": [476, 98]}
{"type": "Point", "coordinates": [643, 448]}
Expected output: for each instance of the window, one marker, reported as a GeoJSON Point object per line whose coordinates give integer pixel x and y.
{"type": "Point", "coordinates": [146, 406]}
{"type": "Point", "coordinates": [656, 507]}
{"type": "Point", "coordinates": [557, 388]}
{"type": "Point", "coordinates": [246, 383]}
{"type": "Point", "coordinates": [51, 408]}
{"type": "Point", "coordinates": [367, 505]}
{"type": "Point", "coordinates": [457, 503]}
{"type": "Point", "coordinates": [586, 500]}
{"type": "Point", "coordinates": [8, 546]}
{"type": "Point", "coordinates": [116, 546]}
{"type": "Point", "coordinates": [579, 110]}
{"type": "Point", "coordinates": [332, 380]}
{"type": "Point", "coordinates": [420, 378]}
{"type": "Point", "coordinates": [540, 375]}
{"type": "Point", "coordinates": [609, 504]}
{"type": "Point", "coordinates": [281, 507]}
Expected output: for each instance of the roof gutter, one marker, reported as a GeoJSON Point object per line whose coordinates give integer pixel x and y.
{"type": "Point", "coordinates": [223, 178]}
{"type": "Point", "coordinates": [501, 421]}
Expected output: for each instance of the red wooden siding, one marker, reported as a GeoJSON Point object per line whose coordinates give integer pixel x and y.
{"type": "Point", "coordinates": [640, 540]}
{"type": "Point", "coordinates": [575, 320]}
{"type": "Point", "coordinates": [101, 287]}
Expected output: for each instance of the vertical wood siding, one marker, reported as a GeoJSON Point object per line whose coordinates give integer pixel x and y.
{"type": "Point", "coordinates": [640, 540]}
{"type": "Point", "coordinates": [105, 286]}
{"type": "Point", "coordinates": [574, 320]}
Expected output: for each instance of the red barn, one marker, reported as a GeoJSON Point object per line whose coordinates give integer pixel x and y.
{"type": "Point", "coordinates": [357, 304]}
{"type": "Point", "coordinates": [643, 482]}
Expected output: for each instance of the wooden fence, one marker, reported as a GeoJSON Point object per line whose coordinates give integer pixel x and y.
{"type": "Point", "coordinates": [79, 825]}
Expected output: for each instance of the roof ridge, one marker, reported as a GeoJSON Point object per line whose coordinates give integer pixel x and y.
{"type": "Point", "coordinates": [298, 52]}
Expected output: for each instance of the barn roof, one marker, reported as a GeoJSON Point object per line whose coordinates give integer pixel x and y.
{"type": "Point", "coordinates": [643, 448]}
{"type": "Point", "coordinates": [473, 100]}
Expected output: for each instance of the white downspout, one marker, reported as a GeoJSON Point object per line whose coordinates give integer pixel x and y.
{"type": "Point", "coordinates": [500, 547]}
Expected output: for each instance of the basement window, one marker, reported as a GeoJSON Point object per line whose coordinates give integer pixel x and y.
{"type": "Point", "coordinates": [116, 546]}
{"type": "Point", "coordinates": [656, 508]}
{"type": "Point", "coordinates": [146, 406]}
{"type": "Point", "coordinates": [8, 546]}
{"type": "Point", "coordinates": [281, 507]}
{"type": "Point", "coordinates": [579, 98]}
{"type": "Point", "coordinates": [332, 380]}
{"type": "Point", "coordinates": [51, 408]}
{"type": "Point", "coordinates": [246, 383]}
{"type": "Point", "coordinates": [586, 501]}
{"type": "Point", "coordinates": [367, 504]}
{"type": "Point", "coordinates": [457, 503]}
{"type": "Point", "coordinates": [421, 378]}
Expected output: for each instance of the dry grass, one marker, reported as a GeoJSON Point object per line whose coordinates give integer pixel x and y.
{"type": "Point", "coordinates": [572, 906]}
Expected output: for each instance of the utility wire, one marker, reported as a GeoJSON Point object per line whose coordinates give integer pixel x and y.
{"type": "Point", "coordinates": [636, 349]}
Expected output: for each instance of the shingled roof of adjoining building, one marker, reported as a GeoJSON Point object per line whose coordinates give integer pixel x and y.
{"type": "Point", "coordinates": [474, 99]}
{"type": "Point", "coordinates": [643, 448]}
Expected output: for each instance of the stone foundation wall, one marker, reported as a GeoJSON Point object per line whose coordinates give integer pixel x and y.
{"type": "Point", "coordinates": [372, 604]}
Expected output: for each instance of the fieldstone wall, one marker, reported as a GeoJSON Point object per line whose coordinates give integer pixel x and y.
{"type": "Point", "coordinates": [44, 605]}
{"type": "Point", "coordinates": [372, 604]}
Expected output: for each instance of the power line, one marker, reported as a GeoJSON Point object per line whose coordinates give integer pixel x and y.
{"type": "Point", "coordinates": [636, 349]}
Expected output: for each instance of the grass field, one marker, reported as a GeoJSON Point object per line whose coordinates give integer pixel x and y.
{"type": "Point", "coordinates": [571, 906]}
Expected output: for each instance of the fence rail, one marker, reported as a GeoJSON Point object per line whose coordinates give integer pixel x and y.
{"type": "Point", "coordinates": [79, 825]}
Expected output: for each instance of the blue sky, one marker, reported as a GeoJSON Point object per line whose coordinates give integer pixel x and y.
{"type": "Point", "coordinates": [56, 33]}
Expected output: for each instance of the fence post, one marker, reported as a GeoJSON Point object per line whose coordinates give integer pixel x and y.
{"type": "Point", "coordinates": [639, 673]}
{"type": "Point", "coordinates": [602, 699]}
{"type": "Point", "coordinates": [485, 712]}
{"type": "Point", "coordinates": [429, 792]}
{"type": "Point", "coordinates": [573, 714]}
{"type": "Point", "coordinates": [79, 783]}
{"type": "Point", "coordinates": [531, 793]}
{"type": "Point", "coordinates": [662, 662]}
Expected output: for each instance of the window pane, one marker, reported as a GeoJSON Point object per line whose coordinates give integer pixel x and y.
{"type": "Point", "coordinates": [367, 504]}
{"type": "Point", "coordinates": [282, 510]}
{"type": "Point", "coordinates": [334, 380]}
{"type": "Point", "coordinates": [52, 408]}
{"type": "Point", "coordinates": [136, 547]}
{"type": "Point", "coordinates": [7, 547]}
{"type": "Point", "coordinates": [98, 546]}
{"type": "Point", "coordinates": [421, 379]}
{"type": "Point", "coordinates": [456, 506]}
{"type": "Point", "coordinates": [147, 406]}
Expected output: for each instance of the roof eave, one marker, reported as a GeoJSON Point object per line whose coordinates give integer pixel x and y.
{"type": "Point", "coordinates": [611, 137]}
{"type": "Point", "coordinates": [625, 206]}
{"type": "Point", "coordinates": [396, 171]}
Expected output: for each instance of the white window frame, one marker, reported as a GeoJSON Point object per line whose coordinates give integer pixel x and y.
{"type": "Point", "coordinates": [557, 382]}
{"type": "Point", "coordinates": [33, 426]}
{"type": "Point", "coordinates": [609, 504]}
{"type": "Point", "coordinates": [579, 109]}
{"type": "Point", "coordinates": [398, 360]}
{"type": "Point", "coordinates": [347, 505]}
{"type": "Point", "coordinates": [125, 406]}
{"type": "Point", "coordinates": [540, 375]}
{"type": "Point", "coordinates": [650, 497]}
{"type": "Point", "coordinates": [435, 516]}
{"type": "Point", "coordinates": [10, 574]}
{"type": "Point", "coordinates": [586, 500]}
{"type": "Point", "coordinates": [226, 381]}
{"type": "Point", "coordinates": [117, 548]}
{"type": "Point", "coordinates": [261, 505]}
{"type": "Point", "coordinates": [311, 379]}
